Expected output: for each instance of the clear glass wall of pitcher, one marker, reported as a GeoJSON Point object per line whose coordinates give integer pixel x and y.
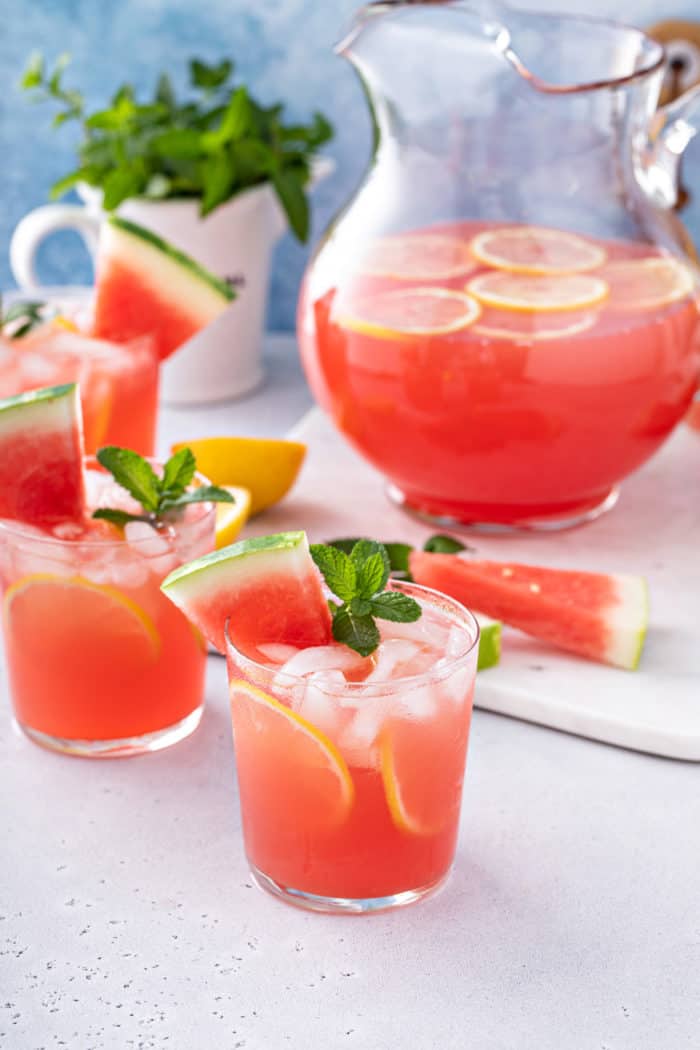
{"type": "Point", "coordinates": [504, 318]}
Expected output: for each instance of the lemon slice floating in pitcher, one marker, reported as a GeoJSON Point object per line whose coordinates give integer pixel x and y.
{"type": "Point", "coordinates": [517, 326]}
{"type": "Point", "coordinates": [536, 250]}
{"type": "Point", "coordinates": [647, 284]}
{"type": "Point", "coordinates": [286, 766]}
{"type": "Point", "coordinates": [418, 257]}
{"type": "Point", "coordinates": [519, 291]}
{"type": "Point", "coordinates": [411, 311]}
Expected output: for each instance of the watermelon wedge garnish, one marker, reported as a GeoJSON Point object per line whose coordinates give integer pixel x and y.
{"type": "Point", "coordinates": [268, 588]}
{"type": "Point", "coordinates": [145, 286]}
{"type": "Point", "coordinates": [41, 456]}
{"type": "Point", "coordinates": [602, 617]}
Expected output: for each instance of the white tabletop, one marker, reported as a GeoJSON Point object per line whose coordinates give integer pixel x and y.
{"type": "Point", "coordinates": [127, 918]}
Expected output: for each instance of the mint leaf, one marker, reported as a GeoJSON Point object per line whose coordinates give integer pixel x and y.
{"type": "Point", "coordinates": [358, 632]}
{"type": "Point", "coordinates": [290, 190]}
{"type": "Point", "coordinates": [133, 473]}
{"type": "Point", "coordinates": [33, 71]}
{"type": "Point", "coordinates": [397, 553]}
{"type": "Point", "coordinates": [338, 570]}
{"type": "Point", "coordinates": [372, 564]}
{"type": "Point", "coordinates": [118, 185]}
{"type": "Point", "coordinates": [178, 473]}
{"type": "Point", "coordinates": [391, 605]}
{"type": "Point", "coordinates": [441, 543]}
{"type": "Point", "coordinates": [203, 494]}
{"type": "Point", "coordinates": [217, 173]}
{"type": "Point", "coordinates": [209, 77]}
{"type": "Point", "coordinates": [357, 571]}
{"type": "Point", "coordinates": [21, 317]}
{"type": "Point", "coordinates": [117, 517]}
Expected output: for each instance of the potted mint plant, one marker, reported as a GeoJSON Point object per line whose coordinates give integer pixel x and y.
{"type": "Point", "coordinates": [217, 174]}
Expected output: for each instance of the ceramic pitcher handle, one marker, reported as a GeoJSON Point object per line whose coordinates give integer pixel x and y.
{"type": "Point", "coordinates": [39, 224]}
{"type": "Point", "coordinates": [675, 125]}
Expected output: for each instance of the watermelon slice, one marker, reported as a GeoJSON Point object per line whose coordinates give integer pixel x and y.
{"type": "Point", "coordinates": [145, 286]}
{"type": "Point", "coordinates": [41, 456]}
{"type": "Point", "coordinates": [602, 617]}
{"type": "Point", "coordinates": [267, 587]}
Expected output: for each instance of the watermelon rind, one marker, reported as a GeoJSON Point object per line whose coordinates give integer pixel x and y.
{"type": "Point", "coordinates": [628, 621]}
{"type": "Point", "coordinates": [489, 642]}
{"type": "Point", "coordinates": [205, 589]}
{"type": "Point", "coordinates": [179, 276]}
{"type": "Point", "coordinates": [246, 557]}
{"type": "Point", "coordinates": [46, 409]}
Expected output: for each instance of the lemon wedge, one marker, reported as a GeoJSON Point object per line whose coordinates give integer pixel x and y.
{"type": "Point", "coordinates": [267, 467]}
{"type": "Point", "coordinates": [231, 517]}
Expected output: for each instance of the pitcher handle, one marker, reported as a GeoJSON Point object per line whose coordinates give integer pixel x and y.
{"type": "Point", "coordinates": [39, 224]}
{"type": "Point", "coordinates": [673, 127]}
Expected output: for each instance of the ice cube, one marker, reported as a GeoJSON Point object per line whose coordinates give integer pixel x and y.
{"type": "Point", "coordinates": [68, 530]}
{"type": "Point", "coordinates": [426, 630]}
{"type": "Point", "coordinates": [358, 741]}
{"type": "Point", "coordinates": [125, 571]}
{"type": "Point", "coordinates": [277, 653]}
{"type": "Point", "coordinates": [38, 370]}
{"type": "Point", "coordinates": [389, 656]}
{"type": "Point", "coordinates": [458, 641]}
{"type": "Point", "coordinates": [457, 686]}
{"type": "Point", "coordinates": [318, 703]}
{"type": "Point", "coordinates": [288, 688]}
{"type": "Point", "coordinates": [144, 539]}
{"type": "Point", "coordinates": [421, 703]}
{"type": "Point", "coordinates": [322, 658]}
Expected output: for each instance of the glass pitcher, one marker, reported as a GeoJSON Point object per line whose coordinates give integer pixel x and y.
{"type": "Point", "coordinates": [504, 318]}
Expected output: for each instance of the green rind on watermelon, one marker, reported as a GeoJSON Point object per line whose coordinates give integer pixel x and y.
{"type": "Point", "coordinates": [147, 287]}
{"type": "Point", "coordinates": [489, 642]}
{"type": "Point", "coordinates": [600, 616]}
{"type": "Point", "coordinates": [41, 456]}
{"type": "Point", "coordinates": [267, 588]}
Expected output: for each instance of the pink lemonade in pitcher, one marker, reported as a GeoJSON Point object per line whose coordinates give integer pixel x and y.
{"type": "Point", "coordinates": [500, 373]}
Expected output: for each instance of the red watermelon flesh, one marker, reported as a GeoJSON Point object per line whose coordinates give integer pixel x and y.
{"type": "Point", "coordinates": [145, 286]}
{"type": "Point", "coordinates": [41, 457]}
{"type": "Point", "coordinates": [267, 588]}
{"type": "Point", "coordinates": [599, 616]}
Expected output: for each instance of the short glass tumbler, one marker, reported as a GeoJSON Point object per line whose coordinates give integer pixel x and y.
{"type": "Point", "coordinates": [350, 790]}
{"type": "Point", "coordinates": [100, 663]}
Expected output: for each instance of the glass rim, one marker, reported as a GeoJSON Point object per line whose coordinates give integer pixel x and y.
{"type": "Point", "coordinates": [392, 685]}
{"type": "Point", "coordinates": [18, 531]}
{"type": "Point", "coordinates": [655, 60]}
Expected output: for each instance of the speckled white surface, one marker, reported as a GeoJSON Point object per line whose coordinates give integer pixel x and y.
{"type": "Point", "coordinates": [127, 918]}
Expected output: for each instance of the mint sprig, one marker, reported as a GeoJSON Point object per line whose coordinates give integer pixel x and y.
{"type": "Point", "coordinates": [358, 577]}
{"type": "Point", "coordinates": [210, 146]}
{"type": "Point", "coordinates": [21, 317]}
{"type": "Point", "coordinates": [162, 498]}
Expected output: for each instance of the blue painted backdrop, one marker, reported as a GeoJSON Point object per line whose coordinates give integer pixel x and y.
{"type": "Point", "coordinates": [282, 48]}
